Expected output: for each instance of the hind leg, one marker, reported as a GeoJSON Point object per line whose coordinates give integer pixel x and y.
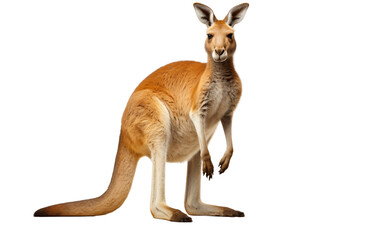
{"type": "Point", "coordinates": [158, 206]}
{"type": "Point", "coordinates": [159, 140]}
{"type": "Point", "coordinates": [193, 203]}
{"type": "Point", "coordinates": [149, 118]}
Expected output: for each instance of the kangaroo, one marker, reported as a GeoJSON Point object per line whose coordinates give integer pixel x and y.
{"type": "Point", "coordinates": [170, 117]}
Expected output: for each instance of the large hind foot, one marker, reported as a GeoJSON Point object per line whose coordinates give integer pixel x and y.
{"type": "Point", "coordinates": [203, 209]}
{"type": "Point", "coordinates": [162, 211]}
{"type": "Point", "coordinates": [179, 216]}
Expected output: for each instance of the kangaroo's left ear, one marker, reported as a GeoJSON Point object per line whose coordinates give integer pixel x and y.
{"type": "Point", "coordinates": [236, 14]}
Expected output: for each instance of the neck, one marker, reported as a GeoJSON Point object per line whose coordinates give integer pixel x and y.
{"type": "Point", "coordinates": [224, 69]}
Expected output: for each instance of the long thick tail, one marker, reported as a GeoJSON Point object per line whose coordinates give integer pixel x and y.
{"type": "Point", "coordinates": [115, 195]}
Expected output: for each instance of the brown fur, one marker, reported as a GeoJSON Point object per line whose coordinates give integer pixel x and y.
{"type": "Point", "coordinates": [159, 117]}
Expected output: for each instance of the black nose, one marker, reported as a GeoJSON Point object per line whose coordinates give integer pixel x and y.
{"type": "Point", "coordinates": [219, 51]}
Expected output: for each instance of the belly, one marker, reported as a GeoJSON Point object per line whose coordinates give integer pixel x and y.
{"type": "Point", "coordinates": [184, 143]}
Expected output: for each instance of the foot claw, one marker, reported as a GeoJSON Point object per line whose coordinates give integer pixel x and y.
{"type": "Point", "coordinates": [228, 212]}
{"type": "Point", "coordinates": [179, 216]}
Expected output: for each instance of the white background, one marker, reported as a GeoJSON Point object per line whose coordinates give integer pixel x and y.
{"type": "Point", "coordinates": [307, 132]}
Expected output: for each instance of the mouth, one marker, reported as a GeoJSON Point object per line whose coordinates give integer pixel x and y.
{"type": "Point", "coordinates": [219, 58]}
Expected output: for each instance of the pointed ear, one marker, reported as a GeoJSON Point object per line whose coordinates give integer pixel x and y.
{"type": "Point", "coordinates": [236, 14]}
{"type": "Point", "coordinates": [205, 14]}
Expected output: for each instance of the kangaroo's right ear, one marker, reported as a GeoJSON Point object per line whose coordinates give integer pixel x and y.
{"type": "Point", "coordinates": [205, 14]}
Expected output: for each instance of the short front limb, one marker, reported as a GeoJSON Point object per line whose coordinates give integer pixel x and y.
{"type": "Point", "coordinates": [227, 126]}
{"type": "Point", "coordinates": [200, 127]}
{"type": "Point", "coordinates": [192, 201]}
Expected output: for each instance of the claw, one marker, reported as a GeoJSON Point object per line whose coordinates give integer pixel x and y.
{"type": "Point", "coordinates": [208, 168]}
{"type": "Point", "coordinates": [224, 162]}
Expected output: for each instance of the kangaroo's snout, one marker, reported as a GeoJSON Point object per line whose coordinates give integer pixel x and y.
{"type": "Point", "coordinates": [219, 51]}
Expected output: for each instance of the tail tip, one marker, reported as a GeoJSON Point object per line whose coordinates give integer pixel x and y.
{"type": "Point", "coordinates": [41, 213]}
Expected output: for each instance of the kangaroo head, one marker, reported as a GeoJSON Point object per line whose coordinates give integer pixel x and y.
{"type": "Point", "coordinates": [220, 43]}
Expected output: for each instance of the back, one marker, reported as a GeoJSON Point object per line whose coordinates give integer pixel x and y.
{"type": "Point", "coordinates": [174, 83]}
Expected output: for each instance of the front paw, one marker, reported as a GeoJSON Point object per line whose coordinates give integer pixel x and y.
{"type": "Point", "coordinates": [224, 163]}
{"type": "Point", "coordinates": [208, 167]}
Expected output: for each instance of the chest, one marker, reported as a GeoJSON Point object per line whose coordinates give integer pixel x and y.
{"type": "Point", "coordinates": [222, 97]}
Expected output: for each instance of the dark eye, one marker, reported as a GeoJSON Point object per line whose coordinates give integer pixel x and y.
{"type": "Point", "coordinates": [209, 36]}
{"type": "Point", "coordinates": [230, 36]}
